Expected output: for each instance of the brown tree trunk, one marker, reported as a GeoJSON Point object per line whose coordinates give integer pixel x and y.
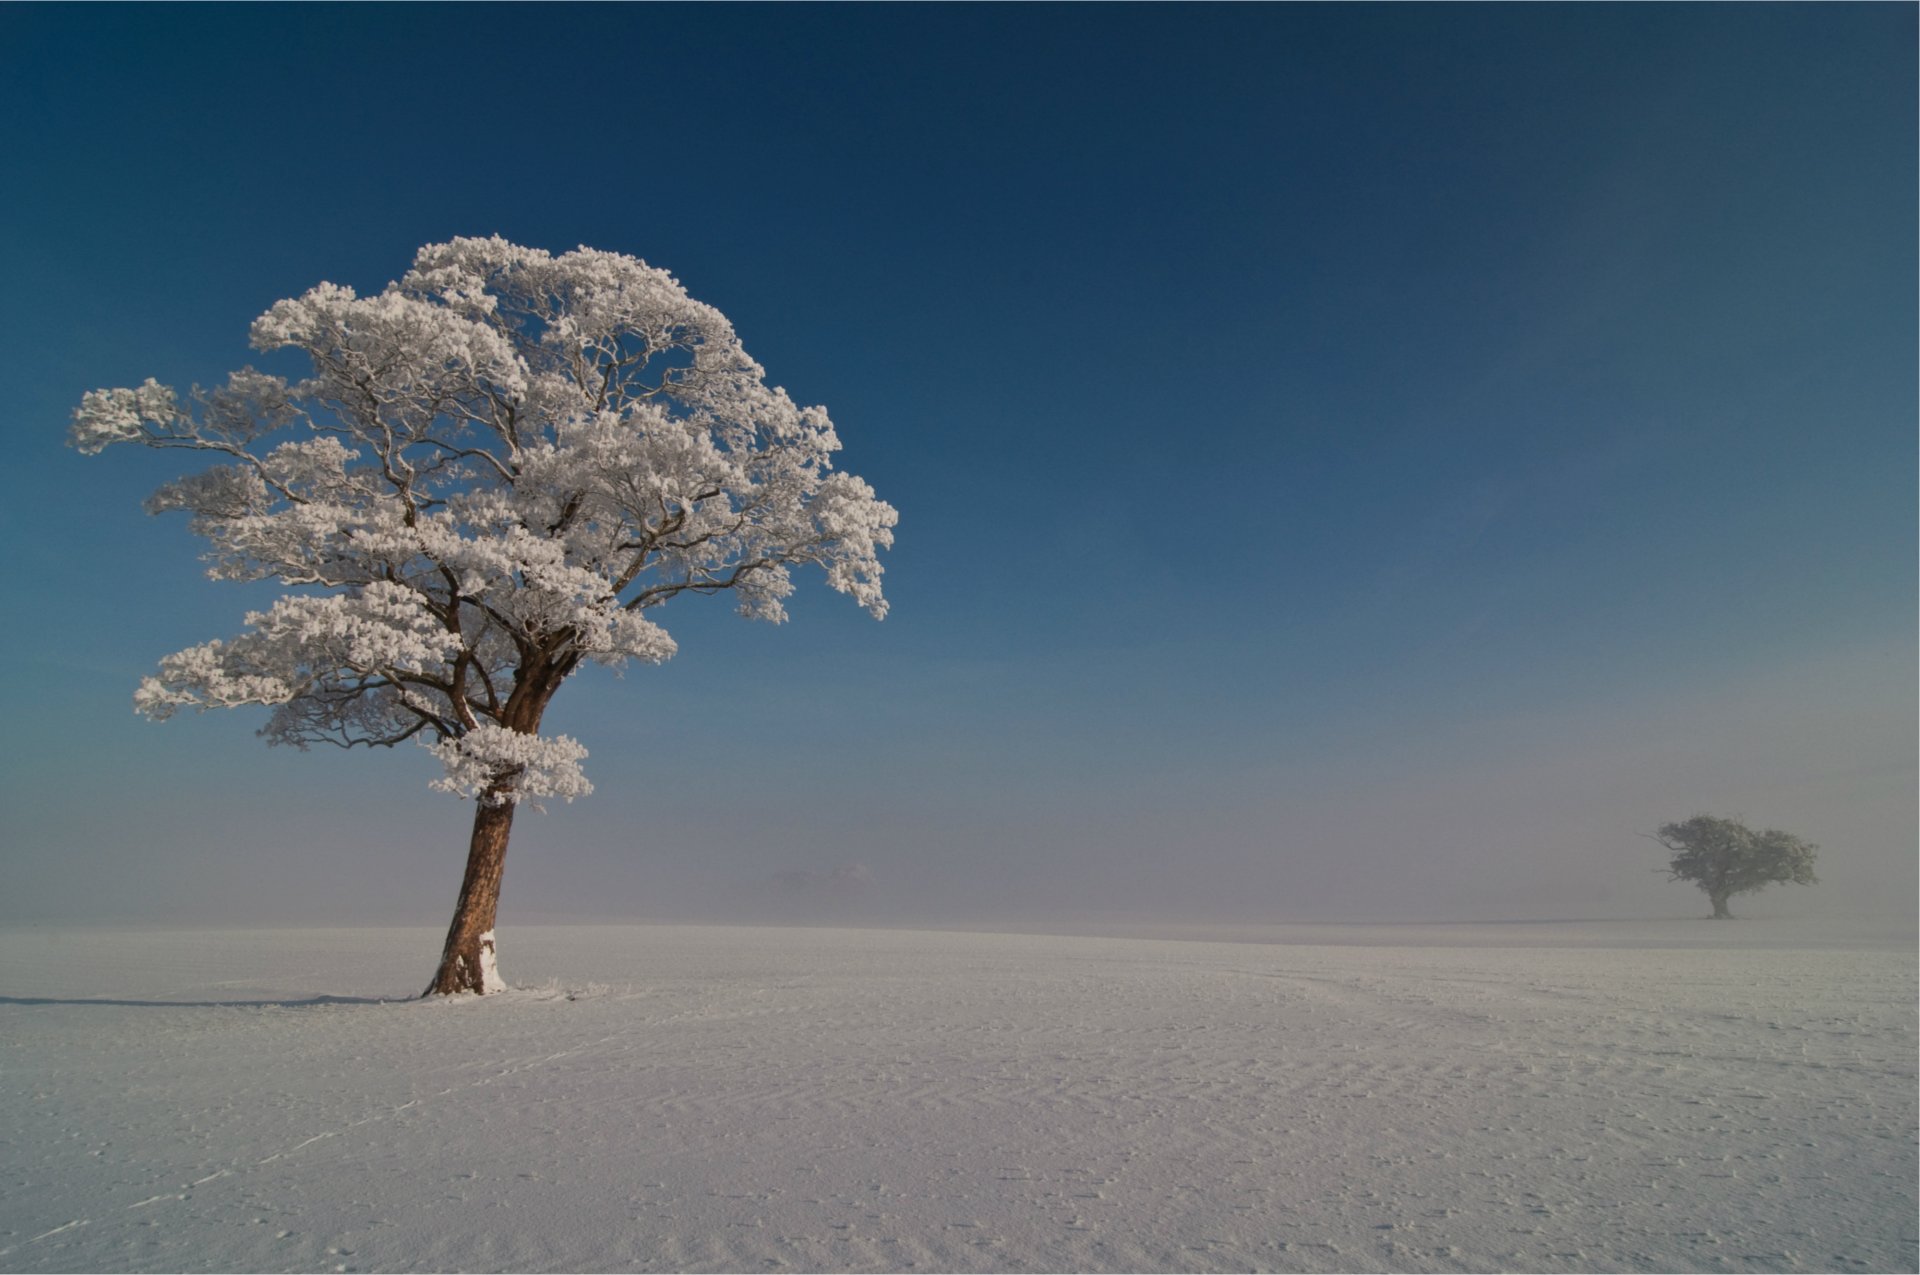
{"type": "Point", "coordinates": [467, 964]}
{"type": "Point", "coordinates": [1720, 912]}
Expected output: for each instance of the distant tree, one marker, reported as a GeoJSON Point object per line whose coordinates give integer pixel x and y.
{"type": "Point", "coordinates": [501, 467]}
{"type": "Point", "coordinates": [1724, 858]}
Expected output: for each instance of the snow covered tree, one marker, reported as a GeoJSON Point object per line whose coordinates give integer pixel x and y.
{"type": "Point", "coordinates": [1724, 858]}
{"type": "Point", "coordinates": [501, 467]}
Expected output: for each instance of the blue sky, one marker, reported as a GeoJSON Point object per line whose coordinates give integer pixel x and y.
{"type": "Point", "coordinates": [1353, 461]}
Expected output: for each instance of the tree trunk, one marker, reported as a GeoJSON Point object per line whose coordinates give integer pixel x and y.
{"type": "Point", "coordinates": [1720, 912]}
{"type": "Point", "coordinates": [467, 964]}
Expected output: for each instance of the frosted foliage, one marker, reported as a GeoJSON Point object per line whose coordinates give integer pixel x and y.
{"type": "Point", "coordinates": [301, 642]}
{"type": "Point", "coordinates": [533, 765]}
{"type": "Point", "coordinates": [500, 466]}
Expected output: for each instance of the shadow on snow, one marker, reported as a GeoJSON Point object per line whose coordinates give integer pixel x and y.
{"type": "Point", "coordinates": [304, 1003]}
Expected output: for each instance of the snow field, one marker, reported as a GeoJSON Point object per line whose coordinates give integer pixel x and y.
{"type": "Point", "coordinates": [759, 1099]}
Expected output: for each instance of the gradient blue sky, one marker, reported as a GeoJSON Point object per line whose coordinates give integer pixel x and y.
{"type": "Point", "coordinates": [1354, 462]}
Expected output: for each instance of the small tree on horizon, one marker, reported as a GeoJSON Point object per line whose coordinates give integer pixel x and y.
{"type": "Point", "coordinates": [1725, 857]}
{"type": "Point", "coordinates": [500, 468]}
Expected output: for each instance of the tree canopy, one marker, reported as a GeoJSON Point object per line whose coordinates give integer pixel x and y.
{"type": "Point", "coordinates": [1725, 857]}
{"type": "Point", "coordinates": [502, 465]}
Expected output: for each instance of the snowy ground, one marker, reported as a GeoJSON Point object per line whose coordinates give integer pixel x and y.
{"type": "Point", "coordinates": [1659, 1096]}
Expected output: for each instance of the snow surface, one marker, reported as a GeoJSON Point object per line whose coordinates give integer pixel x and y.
{"type": "Point", "coordinates": [1677, 1095]}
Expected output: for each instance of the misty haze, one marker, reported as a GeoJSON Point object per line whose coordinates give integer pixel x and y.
{"type": "Point", "coordinates": [1061, 638]}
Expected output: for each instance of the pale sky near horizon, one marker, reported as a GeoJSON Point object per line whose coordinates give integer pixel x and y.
{"type": "Point", "coordinates": [1354, 462]}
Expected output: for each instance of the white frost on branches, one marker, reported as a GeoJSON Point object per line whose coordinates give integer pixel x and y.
{"type": "Point", "coordinates": [498, 467]}
{"type": "Point", "coordinates": [535, 766]}
{"type": "Point", "coordinates": [298, 644]}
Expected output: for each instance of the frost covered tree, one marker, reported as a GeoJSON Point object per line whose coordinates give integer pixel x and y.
{"type": "Point", "coordinates": [501, 467]}
{"type": "Point", "coordinates": [1724, 858]}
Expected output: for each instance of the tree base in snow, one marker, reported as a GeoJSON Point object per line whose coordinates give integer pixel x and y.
{"type": "Point", "coordinates": [474, 970]}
